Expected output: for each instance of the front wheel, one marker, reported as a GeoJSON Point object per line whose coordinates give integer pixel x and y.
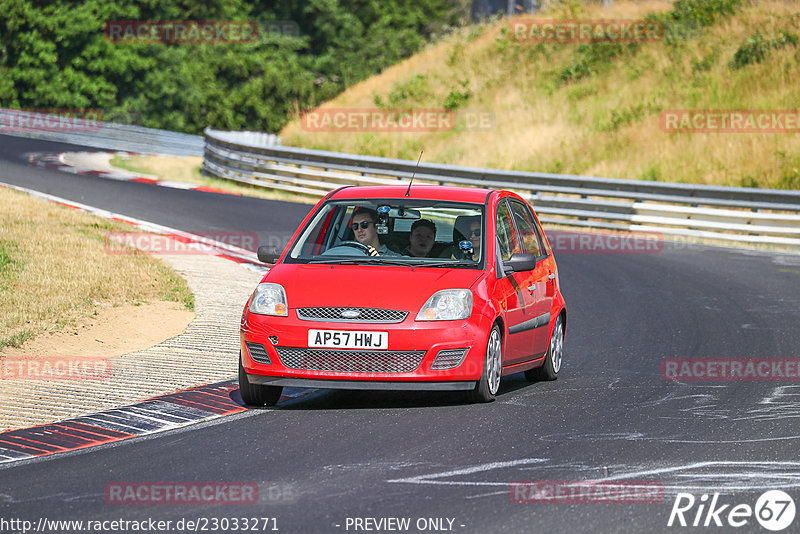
{"type": "Point", "coordinates": [552, 360]}
{"type": "Point", "coordinates": [486, 388]}
{"type": "Point", "coordinates": [257, 394]}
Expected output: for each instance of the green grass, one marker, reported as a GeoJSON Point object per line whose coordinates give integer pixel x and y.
{"type": "Point", "coordinates": [7, 261]}
{"type": "Point", "coordinates": [175, 288]}
{"type": "Point", "coordinates": [16, 340]}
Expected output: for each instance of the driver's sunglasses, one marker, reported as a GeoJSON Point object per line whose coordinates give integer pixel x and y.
{"type": "Point", "coordinates": [364, 225]}
{"type": "Point", "coordinates": [476, 232]}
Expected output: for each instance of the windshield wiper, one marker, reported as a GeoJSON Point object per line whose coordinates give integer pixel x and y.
{"type": "Point", "coordinates": [363, 261]}
{"type": "Point", "coordinates": [389, 261]}
{"type": "Point", "coordinates": [450, 263]}
{"type": "Point", "coordinates": [341, 261]}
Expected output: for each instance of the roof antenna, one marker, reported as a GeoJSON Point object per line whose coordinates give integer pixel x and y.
{"type": "Point", "coordinates": [413, 173]}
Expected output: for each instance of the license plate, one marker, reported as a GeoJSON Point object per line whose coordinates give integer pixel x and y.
{"type": "Point", "coordinates": [348, 339]}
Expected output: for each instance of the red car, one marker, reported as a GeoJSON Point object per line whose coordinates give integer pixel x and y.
{"type": "Point", "coordinates": [406, 288]}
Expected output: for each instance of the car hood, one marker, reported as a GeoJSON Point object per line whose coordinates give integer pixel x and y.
{"type": "Point", "coordinates": [368, 286]}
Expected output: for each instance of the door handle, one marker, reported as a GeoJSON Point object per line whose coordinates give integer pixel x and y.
{"type": "Point", "coordinates": [551, 276]}
{"type": "Point", "coordinates": [532, 288]}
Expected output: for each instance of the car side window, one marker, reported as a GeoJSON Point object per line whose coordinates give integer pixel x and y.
{"type": "Point", "coordinates": [545, 245]}
{"type": "Point", "coordinates": [506, 238]}
{"type": "Point", "coordinates": [527, 229]}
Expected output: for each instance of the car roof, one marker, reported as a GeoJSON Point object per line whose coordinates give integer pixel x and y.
{"type": "Point", "coordinates": [428, 192]}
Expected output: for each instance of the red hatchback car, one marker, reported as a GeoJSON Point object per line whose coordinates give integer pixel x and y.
{"type": "Point", "coordinates": [406, 288]}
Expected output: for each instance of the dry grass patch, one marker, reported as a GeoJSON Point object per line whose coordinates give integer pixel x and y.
{"type": "Point", "coordinates": [55, 271]}
{"type": "Point", "coordinates": [603, 121]}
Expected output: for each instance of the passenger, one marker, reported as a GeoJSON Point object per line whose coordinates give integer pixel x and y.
{"type": "Point", "coordinates": [423, 236]}
{"type": "Point", "coordinates": [475, 237]}
{"type": "Point", "coordinates": [467, 228]}
{"type": "Point", "coordinates": [363, 225]}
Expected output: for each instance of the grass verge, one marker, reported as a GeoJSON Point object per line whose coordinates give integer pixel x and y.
{"type": "Point", "coordinates": [55, 270]}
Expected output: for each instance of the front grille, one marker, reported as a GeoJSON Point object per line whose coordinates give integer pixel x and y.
{"type": "Point", "coordinates": [366, 315]}
{"type": "Point", "coordinates": [448, 359]}
{"type": "Point", "coordinates": [351, 361]}
{"type": "Point", "coordinates": [258, 352]}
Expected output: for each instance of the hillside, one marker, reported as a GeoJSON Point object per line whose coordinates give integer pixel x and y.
{"type": "Point", "coordinates": [594, 109]}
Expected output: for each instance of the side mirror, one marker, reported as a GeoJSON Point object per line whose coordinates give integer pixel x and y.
{"type": "Point", "coordinates": [520, 262]}
{"type": "Point", "coordinates": [268, 254]}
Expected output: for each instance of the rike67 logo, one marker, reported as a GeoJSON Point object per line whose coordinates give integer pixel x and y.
{"type": "Point", "coordinates": [774, 510]}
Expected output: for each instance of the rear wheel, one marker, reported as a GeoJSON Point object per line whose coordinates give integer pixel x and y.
{"type": "Point", "coordinates": [486, 388]}
{"type": "Point", "coordinates": [256, 394]}
{"type": "Point", "coordinates": [552, 360]}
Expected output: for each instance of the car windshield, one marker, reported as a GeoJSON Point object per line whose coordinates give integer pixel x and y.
{"type": "Point", "coordinates": [429, 233]}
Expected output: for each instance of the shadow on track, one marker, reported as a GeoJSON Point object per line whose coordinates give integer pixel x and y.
{"type": "Point", "coordinates": [344, 399]}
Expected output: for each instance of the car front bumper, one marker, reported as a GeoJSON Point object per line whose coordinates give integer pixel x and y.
{"type": "Point", "coordinates": [407, 362]}
{"type": "Point", "coordinates": [457, 385]}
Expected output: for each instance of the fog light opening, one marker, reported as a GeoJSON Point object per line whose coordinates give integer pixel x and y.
{"type": "Point", "coordinates": [448, 359]}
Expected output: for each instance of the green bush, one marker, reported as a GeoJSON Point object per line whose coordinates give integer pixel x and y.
{"type": "Point", "coordinates": [756, 48]}
{"type": "Point", "coordinates": [591, 58]}
{"type": "Point", "coordinates": [689, 17]}
{"type": "Point", "coordinates": [457, 98]}
{"type": "Point", "coordinates": [705, 64]}
{"type": "Point", "coordinates": [626, 116]}
{"type": "Point", "coordinates": [749, 181]}
{"type": "Point", "coordinates": [409, 93]}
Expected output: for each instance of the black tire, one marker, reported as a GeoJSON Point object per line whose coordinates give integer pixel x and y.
{"type": "Point", "coordinates": [256, 394]}
{"type": "Point", "coordinates": [552, 360]}
{"type": "Point", "coordinates": [487, 386]}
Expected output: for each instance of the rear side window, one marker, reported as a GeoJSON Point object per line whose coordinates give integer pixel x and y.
{"type": "Point", "coordinates": [531, 241]}
{"type": "Point", "coordinates": [506, 236]}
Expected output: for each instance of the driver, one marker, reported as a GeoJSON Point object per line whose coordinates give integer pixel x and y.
{"type": "Point", "coordinates": [363, 225]}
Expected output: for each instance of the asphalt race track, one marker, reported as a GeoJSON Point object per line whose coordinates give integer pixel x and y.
{"type": "Point", "coordinates": [193, 212]}
{"type": "Point", "coordinates": [324, 459]}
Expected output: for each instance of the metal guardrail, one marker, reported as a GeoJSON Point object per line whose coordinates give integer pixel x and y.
{"type": "Point", "coordinates": [725, 213]}
{"type": "Point", "coordinates": [106, 135]}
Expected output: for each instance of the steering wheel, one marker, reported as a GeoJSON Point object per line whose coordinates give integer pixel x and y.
{"type": "Point", "coordinates": [355, 244]}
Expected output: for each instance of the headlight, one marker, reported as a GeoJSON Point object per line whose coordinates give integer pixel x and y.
{"type": "Point", "coordinates": [269, 299]}
{"type": "Point", "coordinates": [447, 305]}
